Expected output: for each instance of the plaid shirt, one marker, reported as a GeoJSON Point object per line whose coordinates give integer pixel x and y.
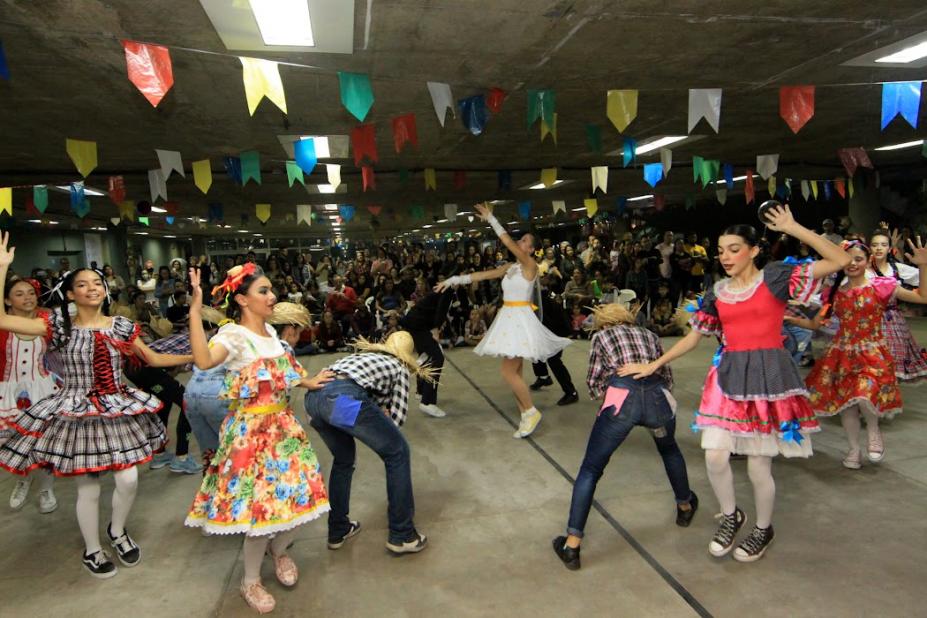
{"type": "Point", "coordinates": [620, 345]}
{"type": "Point", "coordinates": [178, 343]}
{"type": "Point", "coordinates": [383, 376]}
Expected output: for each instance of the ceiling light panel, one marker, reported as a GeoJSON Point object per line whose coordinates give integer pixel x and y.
{"type": "Point", "coordinates": [283, 22]}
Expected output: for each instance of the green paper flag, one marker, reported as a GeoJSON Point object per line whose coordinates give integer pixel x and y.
{"type": "Point", "coordinates": [696, 168]}
{"type": "Point", "coordinates": [417, 212]}
{"type": "Point", "coordinates": [294, 173]}
{"type": "Point", "coordinates": [143, 220]}
{"type": "Point", "coordinates": [541, 104]}
{"type": "Point", "coordinates": [40, 197]}
{"type": "Point", "coordinates": [710, 170]}
{"type": "Point", "coordinates": [356, 93]}
{"type": "Point", "coordinates": [250, 167]}
{"type": "Point", "coordinates": [594, 137]}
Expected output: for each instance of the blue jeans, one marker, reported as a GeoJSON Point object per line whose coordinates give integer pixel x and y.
{"type": "Point", "coordinates": [797, 340]}
{"type": "Point", "coordinates": [205, 411]}
{"type": "Point", "coordinates": [646, 405]}
{"type": "Point", "coordinates": [373, 428]}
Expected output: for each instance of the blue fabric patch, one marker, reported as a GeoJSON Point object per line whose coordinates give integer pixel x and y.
{"type": "Point", "coordinates": [345, 410]}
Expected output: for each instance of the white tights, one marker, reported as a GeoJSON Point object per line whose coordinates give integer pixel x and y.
{"type": "Point", "coordinates": [759, 469]}
{"type": "Point", "coordinates": [88, 505]}
{"type": "Point", "coordinates": [850, 420]}
{"type": "Point", "coordinates": [46, 479]}
{"type": "Point", "coordinates": [254, 549]}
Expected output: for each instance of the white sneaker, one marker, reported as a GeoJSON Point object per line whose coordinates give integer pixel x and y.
{"type": "Point", "coordinates": [20, 493]}
{"type": "Point", "coordinates": [432, 409]}
{"type": "Point", "coordinates": [47, 501]}
{"type": "Point", "coordinates": [529, 422]}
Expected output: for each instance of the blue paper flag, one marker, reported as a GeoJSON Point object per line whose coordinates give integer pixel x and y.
{"type": "Point", "coordinates": [728, 171]}
{"type": "Point", "coordinates": [621, 204]}
{"type": "Point", "coordinates": [77, 195]}
{"type": "Point", "coordinates": [628, 151]}
{"type": "Point", "coordinates": [901, 98]}
{"type": "Point", "coordinates": [524, 210]}
{"type": "Point", "coordinates": [83, 208]}
{"type": "Point", "coordinates": [345, 411]}
{"type": "Point", "coordinates": [346, 211]}
{"type": "Point", "coordinates": [215, 213]}
{"type": "Point", "coordinates": [653, 173]}
{"type": "Point", "coordinates": [828, 190]}
{"type": "Point", "coordinates": [505, 180]}
{"type": "Point", "coordinates": [781, 191]}
{"type": "Point", "coordinates": [233, 168]}
{"type": "Point", "coordinates": [473, 113]}
{"type": "Point", "coordinates": [306, 158]}
{"type": "Point", "coordinates": [4, 67]}
{"type": "Point", "coordinates": [169, 219]}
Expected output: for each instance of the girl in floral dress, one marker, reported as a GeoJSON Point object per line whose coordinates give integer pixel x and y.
{"type": "Point", "coordinates": [754, 401]}
{"type": "Point", "coordinates": [264, 480]}
{"type": "Point", "coordinates": [857, 374]}
{"type": "Point", "coordinates": [24, 380]}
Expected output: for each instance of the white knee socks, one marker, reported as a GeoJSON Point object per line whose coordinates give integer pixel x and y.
{"type": "Point", "coordinates": [717, 462]}
{"type": "Point", "coordinates": [123, 497]}
{"type": "Point", "coordinates": [764, 488]}
{"type": "Point", "coordinates": [253, 553]}
{"type": "Point", "coordinates": [88, 511]}
{"type": "Point", "coordinates": [849, 418]}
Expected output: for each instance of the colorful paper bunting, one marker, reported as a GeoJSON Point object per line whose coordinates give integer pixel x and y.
{"type": "Point", "coordinates": [117, 189]}
{"type": "Point", "coordinates": [157, 185]}
{"type": "Point", "coordinates": [659, 202]}
{"type": "Point", "coordinates": [767, 165]}
{"type": "Point", "coordinates": [170, 161]}
{"type": "Point", "coordinates": [417, 212]}
{"type": "Point", "coordinates": [40, 197]}
{"type": "Point", "coordinates": [814, 188]}
{"type": "Point", "coordinates": [441, 99]}
{"type": "Point", "coordinates": [363, 142]}
{"type": "Point", "coordinates": [144, 221]}
{"type": "Point", "coordinates": [171, 208]}
{"type": "Point", "coordinates": [494, 99]}
{"type": "Point", "coordinates": [473, 113]}
{"type": "Point", "coordinates": [559, 206]}
{"type": "Point", "coordinates": [368, 178]}
{"type": "Point", "coordinates": [727, 170]}
{"type": "Point", "coordinates": [76, 191]}
{"type": "Point", "coordinates": [504, 178]}
{"type": "Point", "coordinates": [6, 200]}
{"type": "Point", "coordinates": [666, 159]}
{"type": "Point", "coordinates": [721, 194]}
{"type": "Point", "coordinates": [250, 166]}
{"type": "Point", "coordinates": [83, 154]}
{"type": "Point", "coordinates": [450, 212]}
{"type": "Point", "coordinates": [771, 186]}
{"type": "Point", "coordinates": [4, 67]}
{"type": "Point", "coordinates": [628, 151]}
{"type": "Point", "coordinates": [127, 211]}
{"type": "Point", "coordinates": [262, 79]}
{"type": "Point", "coordinates": [82, 208]}
{"type": "Point", "coordinates": [592, 206]}
{"type": "Point", "coordinates": [549, 129]}
{"type": "Point", "coordinates": [262, 212]}
{"type": "Point", "coordinates": [304, 214]}
{"type": "Point", "coordinates": [305, 155]}
{"type": "Point", "coordinates": [356, 93]}
{"type": "Point", "coordinates": [853, 158]}
{"type": "Point", "coordinates": [599, 176]}
{"type": "Point", "coordinates": [431, 181]}
{"type": "Point", "coordinates": [460, 179]}
{"type": "Point", "coordinates": [542, 104]}
{"type": "Point", "coordinates": [709, 170]}
{"type": "Point", "coordinates": [796, 105]}
{"type": "Point", "coordinates": [621, 205]}
{"type": "Point", "coordinates": [749, 191]}
{"type": "Point", "coordinates": [404, 130]}
{"type": "Point", "coordinates": [705, 103]}
{"type": "Point", "coordinates": [334, 174]}
{"type": "Point", "coordinates": [828, 190]}
{"type": "Point", "coordinates": [901, 98]}
{"type": "Point", "coordinates": [594, 138]}
{"type": "Point", "coordinates": [851, 190]}
{"type": "Point", "coordinates": [653, 173]}
{"type": "Point", "coordinates": [805, 190]}
{"type": "Point", "coordinates": [524, 210]}
{"type": "Point", "coordinates": [233, 168]}
{"type": "Point", "coordinates": [202, 175]}
{"type": "Point", "coordinates": [169, 219]}
{"type": "Point", "coordinates": [621, 107]}
{"type": "Point", "coordinates": [696, 168]}
{"type": "Point", "coordinates": [549, 177]}
{"type": "Point", "coordinates": [294, 174]}
{"type": "Point", "coordinates": [841, 186]}
{"type": "Point", "coordinates": [149, 69]}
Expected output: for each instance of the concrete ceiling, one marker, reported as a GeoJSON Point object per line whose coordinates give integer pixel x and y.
{"type": "Point", "coordinates": [68, 80]}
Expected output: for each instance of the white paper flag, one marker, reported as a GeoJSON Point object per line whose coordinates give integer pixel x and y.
{"type": "Point", "coordinates": [334, 174]}
{"type": "Point", "coordinates": [767, 165]}
{"type": "Point", "coordinates": [169, 160]}
{"type": "Point", "coordinates": [304, 214]}
{"type": "Point", "coordinates": [600, 178]}
{"type": "Point", "coordinates": [450, 212]}
{"type": "Point", "coordinates": [559, 206]}
{"type": "Point", "coordinates": [722, 196]}
{"type": "Point", "coordinates": [441, 98]}
{"type": "Point", "coordinates": [157, 184]}
{"type": "Point", "coordinates": [705, 103]}
{"type": "Point", "coordinates": [666, 158]}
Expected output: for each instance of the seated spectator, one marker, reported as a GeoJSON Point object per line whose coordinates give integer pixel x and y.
{"type": "Point", "coordinates": [475, 327]}
{"type": "Point", "coordinates": [577, 290]}
{"type": "Point", "coordinates": [577, 317]}
{"type": "Point", "coordinates": [363, 323]}
{"type": "Point", "coordinates": [389, 299]}
{"type": "Point", "coordinates": [179, 310]}
{"type": "Point", "coordinates": [637, 279]}
{"type": "Point", "coordinates": [329, 336]}
{"type": "Point", "coordinates": [391, 325]}
{"type": "Point", "coordinates": [662, 318]}
{"type": "Point", "coordinates": [294, 295]}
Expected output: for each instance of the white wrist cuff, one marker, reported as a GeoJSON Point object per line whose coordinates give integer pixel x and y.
{"type": "Point", "coordinates": [496, 226]}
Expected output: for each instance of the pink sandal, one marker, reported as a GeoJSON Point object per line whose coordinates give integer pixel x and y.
{"type": "Point", "coordinates": [285, 570]}
{"type": "Point", "coordinates": [258, 598]}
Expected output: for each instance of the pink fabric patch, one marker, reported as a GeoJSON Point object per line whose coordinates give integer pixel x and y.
{"type": "Point", "coordinates": [614, 397]}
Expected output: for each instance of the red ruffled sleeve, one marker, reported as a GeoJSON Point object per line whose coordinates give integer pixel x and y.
{"type": "Point", "coordinates": [706, 320]}
{"type": "Point", "coordinates": [885, 288]}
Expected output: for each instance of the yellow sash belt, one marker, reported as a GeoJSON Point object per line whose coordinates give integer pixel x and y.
{"type": "Point", "coordinates": [270, 408]}
{"type": "Point", "coordinates": [519, 303]}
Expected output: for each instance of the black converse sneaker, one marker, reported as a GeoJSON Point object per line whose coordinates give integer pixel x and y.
{"type": "Point", "coordinates": [99, 564]}
{"type": "Point", "coordinates": [128, 552]}
{"type": "Point", "coordinates": [568, 555]}
{"type": "Point", "coordinates": [723, 540]}
{"type": "Point", "coordinates": [754, 546]}
{"type": "Point", "coordinates": [337, 542]}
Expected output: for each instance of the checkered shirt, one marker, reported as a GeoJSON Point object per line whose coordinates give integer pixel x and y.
{"type": "Point", "coordinates": [178, 343]}
{"type": "Point", "coordinates": [384, 376]}
{"type": "Point", "coordinates": [620, 345]}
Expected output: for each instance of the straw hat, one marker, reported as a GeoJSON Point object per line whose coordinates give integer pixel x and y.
{"type": "Point", "coordinates": [162, 327]}
{"type": "Point", "coordinates": [122, 310]}
{"type": "Point", "coordinates": [290, 313]}
{"type": "Point", "coordinates": [400, 345]}
{"type": "Point", "coordinates": [611, 314]}
{"type": "Point", "coordinates": [213, 316]}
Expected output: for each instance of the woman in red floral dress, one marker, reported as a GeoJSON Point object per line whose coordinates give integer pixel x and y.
{"type": "Point", "coordinates": [857, 373]}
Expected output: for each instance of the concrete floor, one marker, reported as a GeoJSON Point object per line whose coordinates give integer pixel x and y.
{"type": "Point", "coordinates": [848, 543]}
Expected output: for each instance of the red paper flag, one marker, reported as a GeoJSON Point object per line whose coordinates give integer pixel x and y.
{"type": "Point", "coordinates": [149, 68]}
{"type": "Point", "coordinates": [368, 177]}
{"type": "Point", "coordinates": [363, 141]}
{"type": "Point", "coordinates": [796, 105]}
{"type": "Point", "coordinates": [841, 187]}
{"type": "Point", "coordinates": [31, 210]}
{"type": "Point", "coordinates": [117, 189]}
{"type": "Point", "coordinates": [374, 210]}
{"type": "Point", "coordinates": [494, 99]}
{"type": "Point", "coordinates": [460, 179]}
{"type": "Point", "coordinates": [749, 191]}
{"type": "Point", "coordinates": [171, 208]}
{"type": "Point", "coordinates": [853, 158]}
{"type": "Point", "coordinates": [404, 130]}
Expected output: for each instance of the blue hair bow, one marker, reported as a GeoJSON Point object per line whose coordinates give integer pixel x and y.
{"type": "Point", "coordinates": [791, 431]}
{"type": "Point", "coordinates": [695, 306]}
{"type": "Point", "coordinates": [716, 359]}
{"type": "Point", "coordinates": [793, 261]}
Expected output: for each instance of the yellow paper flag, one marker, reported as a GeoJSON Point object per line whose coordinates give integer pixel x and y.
{"type": "Point", "coordinates": [6, 200]}
{"type": "Point", "coordinates": [850, 188]}
{"type": "Point", "coordinates": [592, 206]}
{"type": "Point", "coordinates": [431, 182]}
{"type": "Point", "coordinates": [548, 177]}
{"type": "Point", "coordinates": [552, 130]}
{"type": "Point", "coordinates": [621, 108]}
{"type": "Point", "coordinates": [202, 175]}
{"type": "Point", "coordinates": [262, 212]}
{"type": "Point", "coordinates": [127, 210]}
{"type": "Point", "coordinates": [262, 79]}
{"type": "Point", "coordinates": [814, 188]}
{"type": "Point", "coordinates": [771, 186]}
{"type": "Point", "coordinates": [83, 154]}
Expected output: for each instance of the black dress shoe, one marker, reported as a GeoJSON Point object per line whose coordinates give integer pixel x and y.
{"type": "Point", "coordinates": [568, 398]}
{"type": "Point", "coordinates": [684, 518]}
{"type": "Point", "coordinates": [569, 555]}
{"type": "Point", "coordinates": [540, 382]}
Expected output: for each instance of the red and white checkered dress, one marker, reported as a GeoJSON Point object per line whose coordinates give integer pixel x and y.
{"type": "Point", "coordinates": [94, 422]}
{"type": "Point", "coordinates": [24, 376]}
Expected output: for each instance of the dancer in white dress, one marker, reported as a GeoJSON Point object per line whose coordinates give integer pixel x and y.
{"type": "Point", "coordinates": [516, 333]}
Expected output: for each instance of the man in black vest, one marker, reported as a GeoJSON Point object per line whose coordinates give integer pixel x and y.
{"type": "Point", "coordinates": [429, 314]}
{"type": "Point", "coordinates": [555, 319]}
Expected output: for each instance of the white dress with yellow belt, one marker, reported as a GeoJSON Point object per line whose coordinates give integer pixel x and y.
{"type": "Point", "coordinates": [517, 332]}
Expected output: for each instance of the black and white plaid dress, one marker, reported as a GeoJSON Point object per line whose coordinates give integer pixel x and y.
{"type": "Point", "coordinates": [95, 422]}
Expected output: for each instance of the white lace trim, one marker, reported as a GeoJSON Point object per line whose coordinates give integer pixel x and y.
{"type": "Point", "coordinates": [249, 530]}
{"type": "Point", "coordinates": [862, 403]}
{"type": "Point", "coordinates": [725, 294]}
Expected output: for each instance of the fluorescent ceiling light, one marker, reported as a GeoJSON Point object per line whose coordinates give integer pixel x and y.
{"type": "Point", "coordinates": [326, 188]}
{"type": "Point", "coordinates": [330, 207]}
{"type": "Point", "coordinates": [900, 146]}
{"type": "Point", "coordinates": [540, 185]}
{"type": "Point", "coordinates": [735, 179]}
{"type": "Point", "coordinates": [157, 209]}
{"type": "Point", "coordinates": [658, 143]}
{"type": "Point", "coordinates": [425, 227]}
{"type": "Point", "coordinates": [322, 147]}
{"type": "Point", "coordinates": [640, 197]}
{"type": "Point", "coordinates": [141, 233]}
{"type": "Point", "coordinates": [578, 209]}
{"type": "Point", "coordinates": [284, 22]}
{"type": "Point", "coordinates": [907, 55]}
{"type": "Point", "coordinates": [243, 231]}
{"type": "Point", "coordinates": [441, 221]}
{"type": "Point", "coordinates": [169, 236]}
{"type": "Point", "coordinates": [87, 190]}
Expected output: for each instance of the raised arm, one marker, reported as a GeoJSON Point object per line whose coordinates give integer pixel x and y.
{"type": "Point", "coordinates": [157, 359]}
{"type": "Point", "coordinates": [682, 347]}
{"type": "Point", "coordinates": [528, 264]}
{"type": "Point", "coordinates": [15, 323]}
{"type": "Point", "coordinates": [918, 257]}
{"type": "Point", "coordinates": [833, 258]}
{"type": "Point", "coordinates": [204, 357]}
{"type": "Point", "coordinates": [451, 282]}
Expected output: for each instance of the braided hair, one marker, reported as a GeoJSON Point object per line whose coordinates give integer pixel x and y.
{"type": "Point", "coordinates": [60, 300]}
{"type": "Point", "coordinates": [841, 275]}
{"type": "Point", "coordinates": [890, 257]}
